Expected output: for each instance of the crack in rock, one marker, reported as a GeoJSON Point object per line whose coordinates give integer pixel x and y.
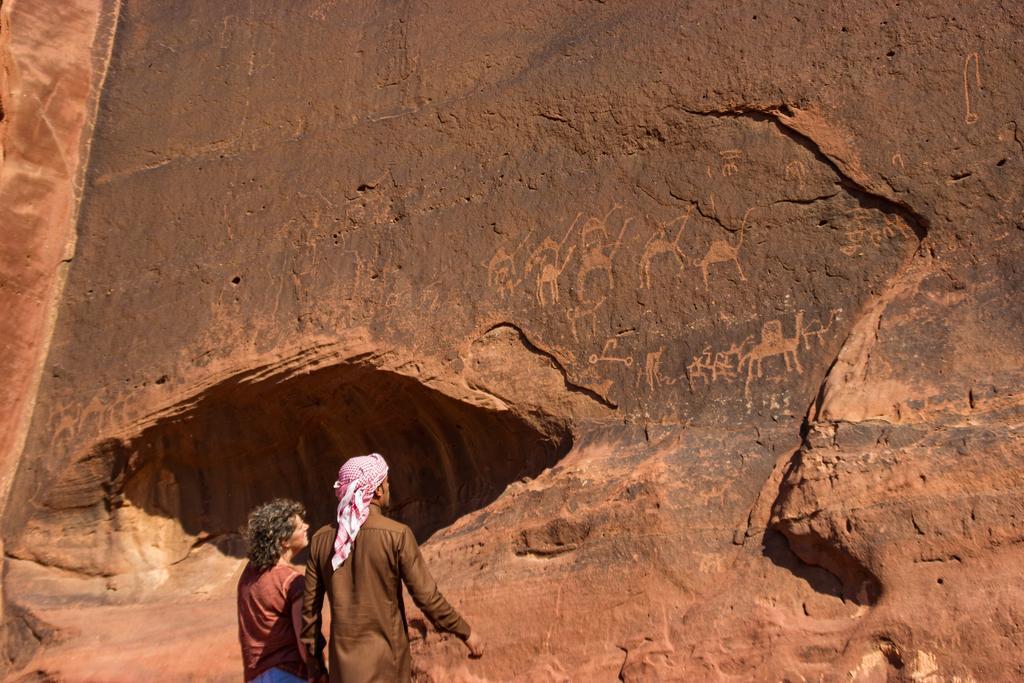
{"type": "Point", "coordinates": [508, 329]}
{"type": "Point", "coordinates": [820, 138]}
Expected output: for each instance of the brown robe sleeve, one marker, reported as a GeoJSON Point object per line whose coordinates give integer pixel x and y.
{"type": "Point", "coordinates": [312, 603]}
{"type": "Point", "coordinates": [423, 589]}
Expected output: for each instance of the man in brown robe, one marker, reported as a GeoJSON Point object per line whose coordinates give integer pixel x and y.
{"type": "Point", "coordinates": [363, 583]}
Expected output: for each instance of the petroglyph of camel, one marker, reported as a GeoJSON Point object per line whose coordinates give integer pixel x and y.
{"type": "Point", "coordinates": [597, 254]}
{"type": "Point", "coordinates": [818, 330]}
{"type": "Point", "coordinates": [546, 259]}
{"type": "Point", "coordinates": [659, 244]}
{"type": "Point", "coordinates": [721, 251]}
{"type": "Point", "coordinates": [501, 270]}
{"type": "Point", "coordinates": [774, 343]}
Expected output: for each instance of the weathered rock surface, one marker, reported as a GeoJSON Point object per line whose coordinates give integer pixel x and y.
{"type": "Point", "coordinates": [50, 67]}
{"type": "Point", "coordinates": [692, 333]}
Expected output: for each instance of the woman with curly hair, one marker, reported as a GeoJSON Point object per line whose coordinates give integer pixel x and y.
{"type": "Point", "coordinates": [270, 595]}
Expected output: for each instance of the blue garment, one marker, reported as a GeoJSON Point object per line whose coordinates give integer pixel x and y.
{"type": "Point", "coordinates": [275, 675]}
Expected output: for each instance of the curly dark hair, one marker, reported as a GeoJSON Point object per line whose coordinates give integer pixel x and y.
{"type": "Point", "coordinates": [269, 526]}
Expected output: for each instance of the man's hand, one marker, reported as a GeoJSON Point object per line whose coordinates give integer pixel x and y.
{"type": "Point", "coordinates": [475, 645]}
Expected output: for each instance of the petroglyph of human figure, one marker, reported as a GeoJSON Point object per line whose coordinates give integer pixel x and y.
{"type": "Point", "coordinates": [726, 363]}
{"type": "Point", "coordinates": [546, 259]}
{"type": "Point", "coordinates": [721, 251]}
{"type": "Point", "coordinates": [574, 315]}
{"type": "Point", "coordinates": [729, 159]}
{"type": "Point", "coordinates": [795, 170]}
{"type": "Point", "coordinates": [774, 343]}
{"type": "Point", "coordinates": [653, 370]}
{"type": "Point", "coordinates": [597, 253]}
{"type": "Point", "coordinates": [659, 244]}
{"type": "Point", "coordinates": [970, 115]}
{"type": "Point", "coordinates": [351, 302]}
{"type": "Point", "coordinates": [700, 367]}
{"type": "Point", "coordinates": [709, 367]}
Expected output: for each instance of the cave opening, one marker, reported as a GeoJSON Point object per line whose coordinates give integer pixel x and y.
{"type": "Point", "coordinates": [250, 439]}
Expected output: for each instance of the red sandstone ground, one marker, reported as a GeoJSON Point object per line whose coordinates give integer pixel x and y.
{"type": "Point", "coordinates": [692, 331]}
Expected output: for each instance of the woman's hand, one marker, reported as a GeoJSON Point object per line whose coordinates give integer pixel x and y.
{"type": "Point", "coordinates": [475, 644]}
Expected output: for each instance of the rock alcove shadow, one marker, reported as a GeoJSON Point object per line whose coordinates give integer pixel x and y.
{"type": "Point", "coordinates": [849, 583]}
{"type": "Point", "coordinates": [244, 442]}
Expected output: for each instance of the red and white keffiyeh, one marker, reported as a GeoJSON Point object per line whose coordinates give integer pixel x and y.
{"type": "Point", "coordinates": [358, 479]}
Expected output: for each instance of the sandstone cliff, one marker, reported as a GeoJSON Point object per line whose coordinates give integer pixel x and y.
{"type": "Point", "coordinates": [692, 331]}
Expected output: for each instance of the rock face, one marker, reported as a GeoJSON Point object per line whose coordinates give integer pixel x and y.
{"type": "Point", "coordinates": [692, 333]}
{"type": "Point", "coordinates": [51, 67]}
